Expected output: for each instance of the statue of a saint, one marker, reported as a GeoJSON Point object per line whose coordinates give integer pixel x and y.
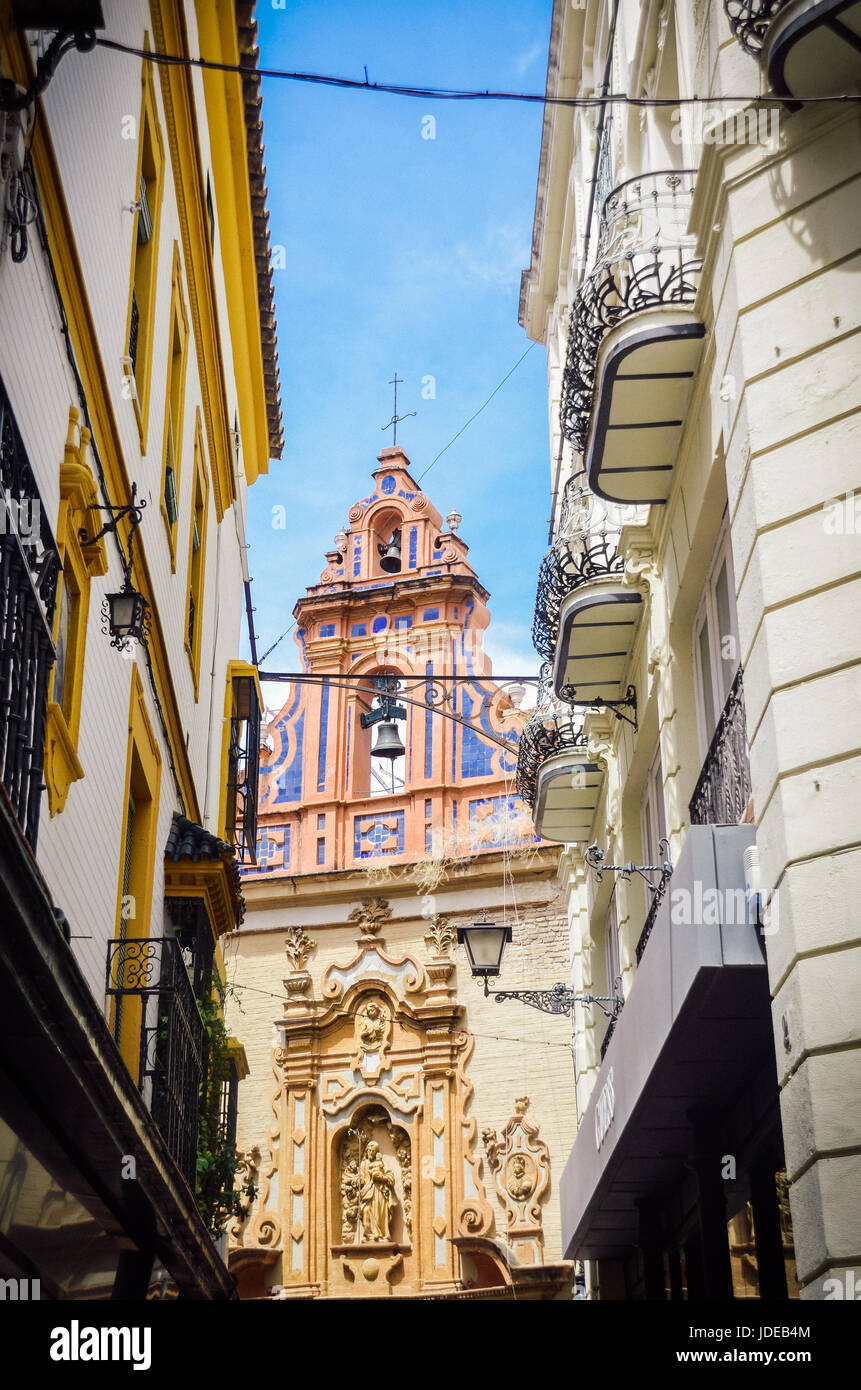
{"type": "Point", "coordinates": [350, 1186]}
{"type": "Point", "coordinates": [377, 1198]}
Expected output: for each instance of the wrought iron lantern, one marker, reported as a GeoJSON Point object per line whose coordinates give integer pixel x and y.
{"type": "Point", "coordinates": [485, 942]}
{"type": "Point", "coordinates": [126, 615]}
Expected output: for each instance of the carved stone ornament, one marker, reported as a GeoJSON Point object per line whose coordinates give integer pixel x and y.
{"type": "Point", "coordinates": [440, 937]}
{"type": "Point", "coordinates": [371, 915]}
{"type": "Point", "coordinates": [298, 947]}
{"type": "Point", "coordinates": [520, 1164]}
{"type": "Point", "coordinates": [373, 1037]}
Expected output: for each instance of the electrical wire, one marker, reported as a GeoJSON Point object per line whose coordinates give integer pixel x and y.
{"type": "Point", "coordinates": [477, 413]}
{"type": "Point", "coordinates": [354, 1013]}
{"type": "Point", "coordinates": [453, 93]}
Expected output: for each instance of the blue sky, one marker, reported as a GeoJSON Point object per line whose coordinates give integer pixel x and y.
{"type": "Point", "coordinates": [404, 253]}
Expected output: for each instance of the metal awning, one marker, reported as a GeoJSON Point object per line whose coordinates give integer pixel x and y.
{"type": "Point", "coordinates": [568, 788]}
{"type": "Point", "coordinates": [644, 379]}
{"type": "Point", "coordinates": [813, 48]}
{"type": "Point", "coordinates": [597, 628]}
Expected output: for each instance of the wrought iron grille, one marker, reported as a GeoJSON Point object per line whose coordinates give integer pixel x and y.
{"type": "Point", "coordinates": [565, 567]}
{"type": "Point", "coordinates": [29, 570]}
{"type": "Point", "coordinates": [644, 259]}
{"type": "Point", "coordinates": [749, 21]}
{"type": "Point", "coordinates": [133, 334]}
{"type": "Point", "coordinates": [723, 789]}
{"type": "Point", "coordinates": [648, 925]}
{"type": "Point", "coordinates": [552, 729]}
{"type": "Point", "coordinates": [611, 1028]}
{"type": "Point", "coordinates": [243, 772]}
{"type": "Point", "coordinates": [172, 1042]}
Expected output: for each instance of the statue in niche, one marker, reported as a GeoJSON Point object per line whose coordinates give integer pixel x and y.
{"type": "Point", "coordinates": [377, 1199]}
{"type": "Point", "coordinates": [351, 1184]}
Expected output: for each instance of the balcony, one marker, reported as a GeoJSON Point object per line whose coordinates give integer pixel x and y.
{"type": "Point", "coordinates": [555, 775]}
{"type": "Point", "coordinates": [586, 617]}
{"type": "Point", "coordinates": [29, 570]}
{"type": "Point", "coordinates": [634, 343]}
{"type": "Point", "coordinates": [807, 47]}
{"type": "Point", "coordinates": [723, 788]}
{"type": "Point", "coordinates": [147, 978]}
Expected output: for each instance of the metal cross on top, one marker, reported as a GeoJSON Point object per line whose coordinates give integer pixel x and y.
{"type": "Point", "coordinates": [398, 381]}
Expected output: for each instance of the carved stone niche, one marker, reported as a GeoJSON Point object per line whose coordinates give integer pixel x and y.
{"type": "Point", "coordinates": [520, 1164]}
{"type": "Point", "coordinates": [372, 1203]}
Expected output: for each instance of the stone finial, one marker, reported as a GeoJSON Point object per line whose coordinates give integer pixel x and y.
{"type": "Point", "coordinates": [371, 915]}
{"type": "Point", "coordinates": [298, 947]}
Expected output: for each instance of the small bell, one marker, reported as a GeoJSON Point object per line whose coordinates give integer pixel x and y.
{"type": "Point", "coordinates": [388, 744]}
{"type": "Point", "coordinates": [390, 555]}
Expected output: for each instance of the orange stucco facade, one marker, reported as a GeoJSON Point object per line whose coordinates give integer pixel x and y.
{"type": "Point", "coordinates": [322, 805]}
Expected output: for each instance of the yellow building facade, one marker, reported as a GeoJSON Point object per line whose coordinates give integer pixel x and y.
{"type": "Point", "coordinates": [139, 400]}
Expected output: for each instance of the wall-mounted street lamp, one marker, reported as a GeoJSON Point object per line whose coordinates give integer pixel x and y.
{"type": "Point", "coordinates": [124, 614]}
{"type": "Point", "coordinates": [485, 943]}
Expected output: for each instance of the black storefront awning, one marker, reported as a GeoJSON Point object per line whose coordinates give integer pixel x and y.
{"type": "Point", "coordinates": [695, 1030]}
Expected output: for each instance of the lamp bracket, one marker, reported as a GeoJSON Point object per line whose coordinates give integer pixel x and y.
{"type": "Point", "coordinates": [559, 999]}
{"type": "Point", "coordinates": [594, 858]}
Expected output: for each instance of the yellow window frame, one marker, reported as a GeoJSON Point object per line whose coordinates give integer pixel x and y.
{"type": "Point", "coordinates": [196, 555]}
{"type": "Point", "coordinates": [149, 132]}
{"type": "Point", "coordinates": [173, 419]}
{"type": "Point", "coordinates": [143, 783]}
{"type": "Point", "coordinates": [78, 513]}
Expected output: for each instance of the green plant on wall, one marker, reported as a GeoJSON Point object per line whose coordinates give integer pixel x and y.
{"type": "Point", "coordinates": [218, 1199]}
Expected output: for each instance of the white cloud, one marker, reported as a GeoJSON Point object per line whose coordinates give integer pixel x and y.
{"type": "Point", "coordinates": [529, 57]}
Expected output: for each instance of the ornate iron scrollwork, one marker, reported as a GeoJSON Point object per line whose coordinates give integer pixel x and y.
{"type": "Point", "coordinates": [723, 786]}
{"type": "Point", "coordinates": [644, 260]}
{"type": "Point", "coordinates": [750, 20]}
{"type": "Point", "coordinates": [563, 569]}
{"type": "Point", "coordinates": [553, 728]}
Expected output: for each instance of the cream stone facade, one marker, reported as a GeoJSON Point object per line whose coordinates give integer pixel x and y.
{"type": "Point", "coordinates": [698, 611]}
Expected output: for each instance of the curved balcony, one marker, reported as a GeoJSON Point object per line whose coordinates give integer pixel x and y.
{"type": "Point", "coordinates": [807, 47]}
{"type": "Point", "coordinates": [555, 775]}
{"type": "Point", "coordinates": [634, 342]}
{"type": "Point", "coordinates": [586, 617]}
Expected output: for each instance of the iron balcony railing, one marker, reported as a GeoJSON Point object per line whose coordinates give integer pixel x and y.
{"type": "Point", "coordinates": [172, 1043]}
{"type": "Point", "coordinates": [644, 259]}
{"type": "Point", "coordinates": [723, 788]}
{"type": "Point", "coordinates": [552, 729]}
{"type": "Point", "coordinates": [243, 773]}
{"type": "Point", "coordinates": [585, 549]}
{"type": "Point", "coordinates": [750, 20]}
{"type": "Point", "coordinates": [29, 571]}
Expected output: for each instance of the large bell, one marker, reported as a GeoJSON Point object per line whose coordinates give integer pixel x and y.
{"type": "Point", "coordinates": [388, 744]}
{"type": "Point", "coordinates": [390, 555]}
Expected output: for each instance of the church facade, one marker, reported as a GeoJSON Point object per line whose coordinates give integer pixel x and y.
{"type": "Point", "coordinates": [404, 1133]}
